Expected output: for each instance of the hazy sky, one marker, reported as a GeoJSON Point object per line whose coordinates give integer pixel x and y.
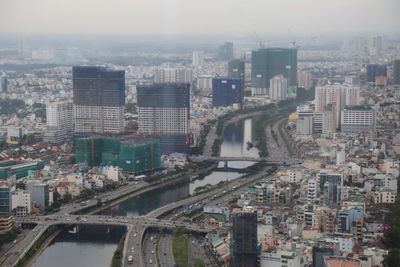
{"type": "Point", "coordinates": [198, 16]}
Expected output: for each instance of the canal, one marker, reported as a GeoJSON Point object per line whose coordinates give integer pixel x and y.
{"type": "Point", "coordinates": [239, 139]}
{"type": "Point", "coordinates": [89, 249]}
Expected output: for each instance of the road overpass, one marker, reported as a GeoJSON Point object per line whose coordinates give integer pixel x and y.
{"type": "Point", "coordinates": [136, 227]}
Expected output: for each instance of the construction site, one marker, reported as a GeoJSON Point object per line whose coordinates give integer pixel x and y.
{"type": "Point", "coordinates": [132, 154]}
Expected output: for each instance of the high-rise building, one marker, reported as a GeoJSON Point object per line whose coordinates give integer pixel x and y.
{"type": "Point", "coordinates": [268, 62]}
{"type": "Point", "coordinates": [304, 79]}
{"type": "Point", "coordinates": [356, 119]}
{"type": "Point", "coordinates": [375, 70]}
{"type": "Point", "coordinates": [244, 250]}
{"type": "Point", "coordinates": [225, 51]}
{"type": "Point", "coordinates": [396, 72]}
{"type": "Point", "coordinates": [198, 58]}
{"type": "Point", "coordinates": [59, 120]}
{"type": "Point", "coordinates": [3, 83]}
{"type": "Point", "coordinates": [304, 122]}
{"type": "Point", "coordinates": [338, 94]}
{"type": "Point", "coordinates": [5, 207]}
{"type": "Point", "coordinates": [164, 110]}
{"type": "Point", "coordinates": [236, 69]}
{"type": "Point", "coordinates": [227, 91]}
{"type": "Point", "coordinates": [99, 99]}
{"type": "Point", "coordinates": [278, 88]}
{"type": "Point", "coordinates": [173, 75]}
{"type": "Point", "coordinates": [329, 118]}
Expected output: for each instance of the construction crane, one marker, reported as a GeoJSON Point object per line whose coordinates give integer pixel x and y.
{"type": "Point", "coordinates": [260, 42]}
{"type": "Point", "coordinates": [294, 43]}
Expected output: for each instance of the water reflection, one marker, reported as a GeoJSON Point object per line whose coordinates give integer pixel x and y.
{"type": "Point", "coordinates": [236, 138]}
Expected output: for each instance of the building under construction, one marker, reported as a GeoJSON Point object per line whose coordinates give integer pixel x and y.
{"type": "Point", "coordinates": [131, 154]}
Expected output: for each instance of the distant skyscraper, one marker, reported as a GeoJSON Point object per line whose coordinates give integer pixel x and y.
{"type": "Point", "coordinates": [244, 238]}
{"type": "Point", "coordinates": [164, 110]}
{"type": "Point", "coordinates": [375, 70]}
{"type": "Point", "coordinates": [99, 99]}
{"type": "Point", "coordinates": [396, 71]}
{"type": "Point", "coordinates": [278, 88]}
{"type": "Point", "coordinates": [198, 58]}
{"type": "Point", "coordinates": [3, 83]}
{"type": "Point", "coordinates": [225, 51]}
{"type": "Point", "coordinates": [236, 69]}
{"type": "Point", "coordinates": [173, 75]}
{"type": "Point", "coordinates": [227, 91]}
{"type": "Point", "coordinates": [268, 62]}
{"type": "Point", "coordinates": [23, 46]}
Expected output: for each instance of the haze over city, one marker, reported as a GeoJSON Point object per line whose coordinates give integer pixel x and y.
{"type": "Point", "coordinates": [198, 17]}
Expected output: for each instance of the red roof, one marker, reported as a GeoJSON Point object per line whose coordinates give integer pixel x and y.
{"type": "Point", "coordinates": [63, 184]}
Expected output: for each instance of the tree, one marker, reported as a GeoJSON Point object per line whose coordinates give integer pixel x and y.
{"type": "Point", "coordinates": [392, 259]}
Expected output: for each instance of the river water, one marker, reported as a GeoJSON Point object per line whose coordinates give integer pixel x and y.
{"type": "Point", "coordinates": [236, 138]}
{"type": "Point", "coordinates": [88, 249]}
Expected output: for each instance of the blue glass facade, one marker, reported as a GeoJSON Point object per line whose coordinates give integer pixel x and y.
{"type": "Point", "coordinates": [227, 91]}
{"type": "Point", "coordinates": [4, 200]}
{"type": "Point", "coordinates": [98, 86]}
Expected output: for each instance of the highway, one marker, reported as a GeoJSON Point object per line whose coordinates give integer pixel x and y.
{"type": "Point", "coordinates": [165, 250]}
{"type": "Point", "coordinates": [136, 228]}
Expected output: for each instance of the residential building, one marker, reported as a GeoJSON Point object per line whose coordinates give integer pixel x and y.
{"type": "Point", "coordinates": [278, 88]}
{"type": "Point", "coordinates": [164, 111]}
{"type": "Point", "coordinates": [339, 94]}
{"type": "Point", "coordinates": [356, 119]}
{"type": "Point", "coordinates": [227, 91]}
{"type": "Point", "coordinates": [60, 121]}
{"type": "Point", "coordinates": [269, 62]}
{"type": "Point", "coordinates": [173, 75]}
{"type": "Point", "coordinates": [99, 99]}
{"type": "Point", "coordinates": [304, 79]}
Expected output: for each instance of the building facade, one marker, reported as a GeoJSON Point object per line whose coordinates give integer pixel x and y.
{"type": "Point", "coordinates": [99, 100]}
{"type": "Point", "coordinates": [375, 70]}
{"type": "Point", "coordinates": [198, 58]}
{"type": "Point", "coordinates": [268, 62]}
{"type": "Point", "coordinates": [356, 119]}
{"type": "Point", "coordinates": [278, 88]}
{"type": "Point", "coordinates": [396, 72]}
{"type": "Point", "coordinates": [173, 75]}
{"type": "Point", "coordinates": [244, 250]}
{"type": "Point", "coordinates": [164, 111]}
{"type": "Point", "coordinates": [227, 91]}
